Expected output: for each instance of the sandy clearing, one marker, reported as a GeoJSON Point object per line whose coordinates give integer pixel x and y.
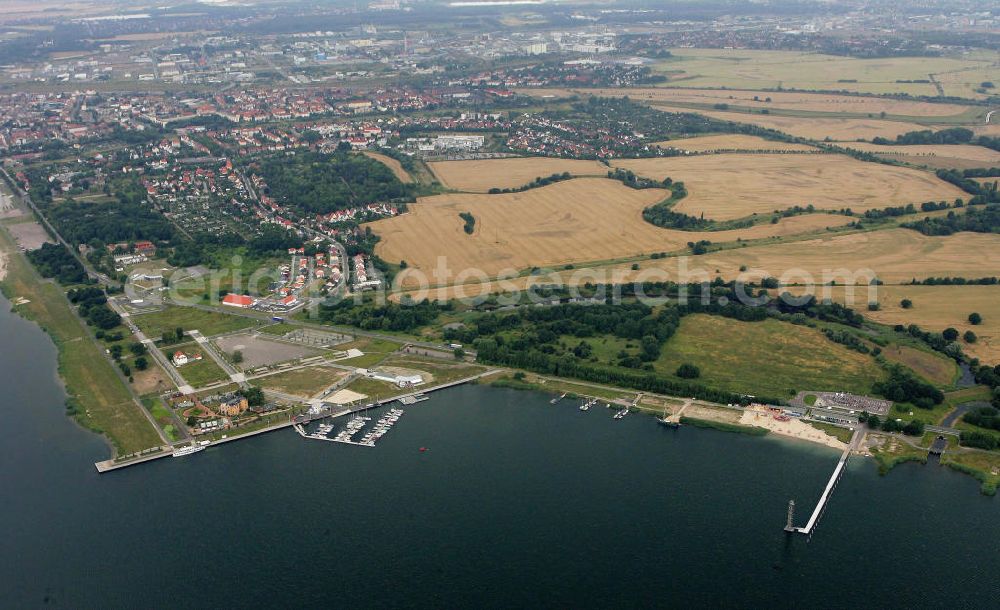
{"type": "Point", "coordinates": [343, 397]}
{"type": "Point", "coordinates": [811, 102]}
{"type": "Point", "coordinates": [811, 127]}
{"type": "Point", "coordinates": [585, 219]}
{"type": "Point", "coordinates": [724, 187]}
{"type": "Point", "coordinates": [793, 428]}
{"type": "Point", "coordinates": [732, 142]}
{"type": "Point", "coordinates": [479, 176]}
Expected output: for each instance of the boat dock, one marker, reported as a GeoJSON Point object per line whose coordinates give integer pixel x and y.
{"type": "Point", "coordinates": [413, 399]}
{"type": "Point", "coordinates": [167, 450]}
{"type": "Point", "coordinates": [354, 427]}
{"type": "Point", "coordinates": [838, 472]}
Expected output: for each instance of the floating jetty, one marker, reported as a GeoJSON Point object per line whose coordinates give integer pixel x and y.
{"type": "Point", "coordinates": [413, 399]}
{"type": "Point", "coordinates": [555, 400]}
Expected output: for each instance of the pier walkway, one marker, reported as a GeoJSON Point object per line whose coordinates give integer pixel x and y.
{"type": "Point", "coordinates": [838, 472]}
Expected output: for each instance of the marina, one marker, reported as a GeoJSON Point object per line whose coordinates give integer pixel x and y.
{"type": "Point", "coordinates": [353, 428]}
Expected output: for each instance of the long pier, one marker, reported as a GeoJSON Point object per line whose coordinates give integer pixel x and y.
{"type": "Point", "coordinates": [838, 472]}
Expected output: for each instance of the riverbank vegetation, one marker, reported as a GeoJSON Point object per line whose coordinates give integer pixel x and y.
{"type": "Point", "coordinates": [97, 397]}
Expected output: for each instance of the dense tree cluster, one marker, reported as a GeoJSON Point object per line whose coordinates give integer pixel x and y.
{"type": "Point", "coordinates": [470, 222]}
{"type": "Point", "coordinates": [954, 135]}
{"type": "Point", "coordinates": [390, 317]}
{"type": "Point", "coordinates": [537, 182]}
{"type": "Point", "coordinates": [318, 183]}
{"type": "Point", "coordinates": [93, 308]}
{"type": "Point", "coordinates": [903, 386]}
{"type": "Point", "coordinates": [984, 220]}
{"type": "Point", "coordinates": [54, 261]}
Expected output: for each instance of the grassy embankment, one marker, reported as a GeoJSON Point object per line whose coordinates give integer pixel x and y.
{"type": "Point", "coordinates": [98, 399]}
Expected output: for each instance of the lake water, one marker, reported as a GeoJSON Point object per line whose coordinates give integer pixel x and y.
{"type": "Point", "coordinates": [516, 503]}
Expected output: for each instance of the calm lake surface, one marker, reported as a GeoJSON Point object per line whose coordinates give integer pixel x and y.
{"type": "Point", "coordinates": [516, 503]}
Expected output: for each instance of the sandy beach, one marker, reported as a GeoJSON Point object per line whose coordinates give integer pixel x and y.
{"type": "Point", "coordinates": [793, 428]}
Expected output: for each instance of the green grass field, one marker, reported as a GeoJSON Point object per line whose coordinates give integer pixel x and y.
{"type": "Point", "coordinates": [769, 358]}
{"type": "Point", "coordinates": [375, 351]}
{"type": "Point", "coordinates": [301, 382]}
{"type": "Point", "coordinates": [198, 373]}
{"type": "Point", "coordinates": [207, 322]}
{"type": "Point", "coordinates": [750, 69]}
{"type": "Point", "coordinates": [373, 388]}
{"type": "Point", "coordinates": [102, 402]}
{"type": "Point", "coordinates": [933, 367]}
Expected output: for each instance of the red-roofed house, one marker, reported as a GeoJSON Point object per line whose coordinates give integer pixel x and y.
{"type": "Point", "coordinates": [238, 300]}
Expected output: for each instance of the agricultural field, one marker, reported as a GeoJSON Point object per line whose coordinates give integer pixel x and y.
{"type": "Point", "coordinates": [393, 164]}
{"type": "Point", "coordinates": [479, 176]}
{"type": "Point", "coordinates": [746, 69]}
{"type": "Point", "coordinates": [783, 100]}
{"type": "Point", "coordinates": [813, 128]}
{"type": "Point", "coordinates": [948, 156]}
{"type": "Point", "coordinates": [733, 142]}
{"type": "Point", "coordinates": [563, 223]}
{"type": "Point", "coordinates": [939, 307]}
{"type": "Point", "coordinates": [769, 182]}
{"type": "Point", "coordinates": [765, 358]}
{"type": "Point", "coordinates": [893, 255]}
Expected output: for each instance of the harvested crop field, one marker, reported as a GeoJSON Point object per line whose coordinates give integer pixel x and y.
{"type": "Point", "coordinates": [733, 142]}
{"type": "Point", "coordinates": [393, 164]}
{"type": "Point", "coordinates": [724, 187]}
{"type": "Point", "coordinates": [963, 156]}
{"type": "Point", "coordinates": [813, 128]}
{"type": "Point", "coordinates": [893, 255]}
{"type": "Point", "coordinates": [939, 307]}
{"type": "Point", "coordinates": [479, 176]}
{"type": "Point", "coordinates": [807, 102]}
{"type": "Point", "coordinates": [584, 219]}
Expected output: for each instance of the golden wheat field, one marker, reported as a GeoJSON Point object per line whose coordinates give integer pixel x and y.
{"type": "Point", "coordinates": [480, 175]}
{"type": "Point", "coordinates": [963, 152]}
{"type": "Point", "coordinates": [937, 308]}
{"type": "Point", "coordinates": [584, 219]}
{"type": "Point", "coordinates": [894, 256]}
{"type": "Point", "coordinates": [392, 164]}
{"type": "Point", "coordinates": [724, 187]}
{"type": "Point", "coordinates": [813, 128]}
{"type": "Point", "coordinates": [805, 102]}
{"type": "Point", "coordinates": [733, 142]}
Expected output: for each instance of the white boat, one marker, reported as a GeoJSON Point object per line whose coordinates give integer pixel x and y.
{"type": "Point", "coordinates": [188, 450]}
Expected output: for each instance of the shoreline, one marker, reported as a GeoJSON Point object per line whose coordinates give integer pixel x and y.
{"type": "Point", "coordinates": [793, 428]}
